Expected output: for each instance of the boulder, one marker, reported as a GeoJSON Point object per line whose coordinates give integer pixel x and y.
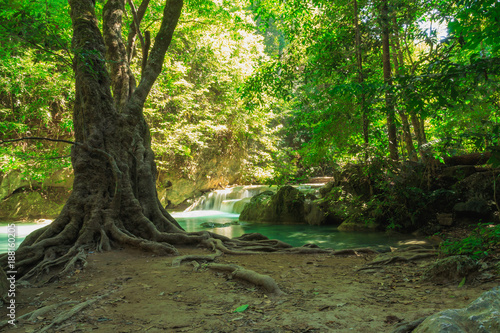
{"type": "Point", "coordinates": [314, 215]}
{"type": "Point", "coordinates": [286, 206]}
{"type": "Point", "coordinates": [482, 316]}
{"type": "Point", "coordinates": [475, 207]}
{"type": "Point", "coordinates": [479, 185]}
{"type": "Point", "coordinates": [256, 209]}
{"type": "Point", "coordinates": [445, 219]}
{"type": "Point", "coordinates": [353, 225]}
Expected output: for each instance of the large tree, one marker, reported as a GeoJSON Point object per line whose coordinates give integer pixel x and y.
{"type": "Point", "coordinates": [114, 201]}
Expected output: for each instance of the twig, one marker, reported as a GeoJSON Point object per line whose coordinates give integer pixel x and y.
{"type": "Point", "coordinates": [39, 138]}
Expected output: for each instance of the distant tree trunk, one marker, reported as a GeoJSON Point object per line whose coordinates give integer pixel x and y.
{"type": "Point", "coordinates": [418, 129]}
{"type": "Point", "coordinates": [398, 60]}
{"type": "Point", "coordinates": [389, 102]}
{"type": "Point", "coordinates": [359, 59]}
{"type": "Point", "coordinates": [114, 201]}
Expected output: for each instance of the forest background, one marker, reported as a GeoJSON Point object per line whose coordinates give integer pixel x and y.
{"type": "Point", "coordinates": [271, 92]}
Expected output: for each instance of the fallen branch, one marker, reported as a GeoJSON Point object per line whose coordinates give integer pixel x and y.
{"type": "Point", "coordinates": [238, 272]}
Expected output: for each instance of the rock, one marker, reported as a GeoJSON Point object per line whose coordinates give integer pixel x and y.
{"type": "Point", "coordinates": [10, 182]}
{"type": "Point", "coordinates": [352, 225]}
{"type": "Point", "coordinates": [451, 270]}
{"type": "Point", "coordinates": [286, 206]}
{"type": "Point", "coordinates": [240, 205]}
{"type": "Point", "coordinates": [481, 316]}
{"type": "Point", "coordinates": [476, 207]}
{"type": "Point", "coordinates": [314, 215]}
{"type": "Point", "coordinates": [218, 225]}
{"type": "Point", "coordinates": [445, 219]}
{"type": "Point", "coordinates": [256, 209]}
{"type": "Point", "coordinates": [32, 205]}
{"type": "Point", "coordinates": [478, 185]}
{"type": "Point", "coordinates": [61, 178]}
{"type": "Point", "coordinates": [320, 180]}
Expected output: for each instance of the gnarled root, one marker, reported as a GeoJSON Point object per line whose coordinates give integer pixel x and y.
{"type": "Point", "coordinates": [211, 257]}
{"type": "Point", "coordinates": [261, 280]}
{"type": "Point", "coordinates": [62, 317]}
{"type": "Point", "coordinates": [401, 259]}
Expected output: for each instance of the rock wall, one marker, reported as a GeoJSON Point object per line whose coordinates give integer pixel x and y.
{"type": "Point", "coordinates": [175, 190]}
{"type": "Point", "coordinates": [21, 199]}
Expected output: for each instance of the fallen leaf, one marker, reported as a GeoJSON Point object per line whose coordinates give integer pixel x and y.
{"type": "Point", "coordinates": [241, 308]}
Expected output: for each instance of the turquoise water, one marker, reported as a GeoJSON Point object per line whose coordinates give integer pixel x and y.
{"type": "Point", "coordinates": [295, 234]}
{"type": "Point", "coordinates": [23, 229]}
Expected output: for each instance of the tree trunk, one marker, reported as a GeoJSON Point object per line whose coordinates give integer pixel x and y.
{"type": "Point", "coordinates": [418, 129]}
{"type": "Point", "coordinates": [389, 102]}
{"type": "Point", "coordinates": [360, 77]}
{"type": "Point", "coordinates": [114, 201]}
{"type": "Point", "coordinates": [398, 60]}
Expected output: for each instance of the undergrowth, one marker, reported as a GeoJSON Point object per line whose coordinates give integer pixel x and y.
{"type": "Point", "coordinates": [484, 241]}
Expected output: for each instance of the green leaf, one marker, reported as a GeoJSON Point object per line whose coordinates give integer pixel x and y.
{"type": "Point", "coordinates": [461, 284]}
{"type": "Point", "coordinates": [241, 308]}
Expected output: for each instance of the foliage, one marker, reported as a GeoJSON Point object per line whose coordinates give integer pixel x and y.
{"type": "Point", "coordinates": [482, 242]}
{"type": "Point", "coordinates": [36, 89]}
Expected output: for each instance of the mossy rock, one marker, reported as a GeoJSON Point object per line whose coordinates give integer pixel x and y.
{"type": "Point", "coordinates": [286, 206]}
{"type": "Point", "coordinates": [30, 205]}
{"type": "Point", "coordinates": [358, 226]}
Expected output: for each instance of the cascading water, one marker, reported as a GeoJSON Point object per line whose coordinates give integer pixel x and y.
{"type": "Point", "coordinates": [230, 200]}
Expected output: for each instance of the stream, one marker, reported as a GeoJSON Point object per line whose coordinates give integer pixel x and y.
{"type": "Point", "coordinates": [218, 212]}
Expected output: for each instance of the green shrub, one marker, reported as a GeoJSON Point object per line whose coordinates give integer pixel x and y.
{"type": "Point", "coordinates": [482, 242]}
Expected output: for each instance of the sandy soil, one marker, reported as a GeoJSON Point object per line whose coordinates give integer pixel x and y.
{"type": "Point", "coordinates": [324, 293]}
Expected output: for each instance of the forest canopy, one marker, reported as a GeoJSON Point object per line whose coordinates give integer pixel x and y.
{"type": "Point", "coordinates": [291, 89]}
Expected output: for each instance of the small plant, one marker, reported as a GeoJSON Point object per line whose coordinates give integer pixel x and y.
{"type": "Point", "coordinates": [484, 241]}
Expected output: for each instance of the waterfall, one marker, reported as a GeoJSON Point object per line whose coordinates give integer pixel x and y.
{"type": "Point", "coordinates": [229, 200]}
{"type": "Point", "coordinates": [234, 199]}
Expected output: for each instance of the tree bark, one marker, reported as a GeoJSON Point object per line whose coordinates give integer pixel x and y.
{"type": "Point", "coordinates": [398, 60]}
{"type": "Point", "coordinates": [359, 61]}
{"type": "Point", "coordinates": [389, 102]}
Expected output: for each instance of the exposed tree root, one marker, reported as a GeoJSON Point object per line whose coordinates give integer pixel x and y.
{"type": "Point", "coordinates": [211, 257]}
{"type": "Point", "coordinates": [238, 272]}
{"type": "Point", "coordinates": [354, 252]}
{"type": "Point", "coordinates": [33, 315]}
{"type": "Point", "coordinates": [62, 317]}
{"type": "Point", "coordinates": [401, 259]}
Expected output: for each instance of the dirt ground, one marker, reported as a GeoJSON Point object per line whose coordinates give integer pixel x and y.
{"type": "Point", "coordinates": [323, 293]}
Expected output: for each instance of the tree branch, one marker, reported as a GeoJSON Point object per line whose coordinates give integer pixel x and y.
{"type": "Point", "coordinates": [38, 138]}
{"type": "Point", "coordinates": [154, 65]}
{"type": "Point", "coordinates": [145, 43]}
{"type": "Point", "coordinates": [141, 11]}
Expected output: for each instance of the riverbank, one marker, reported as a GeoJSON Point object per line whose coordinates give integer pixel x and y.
{"type": "Point", "coordinates": [323, 293]}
